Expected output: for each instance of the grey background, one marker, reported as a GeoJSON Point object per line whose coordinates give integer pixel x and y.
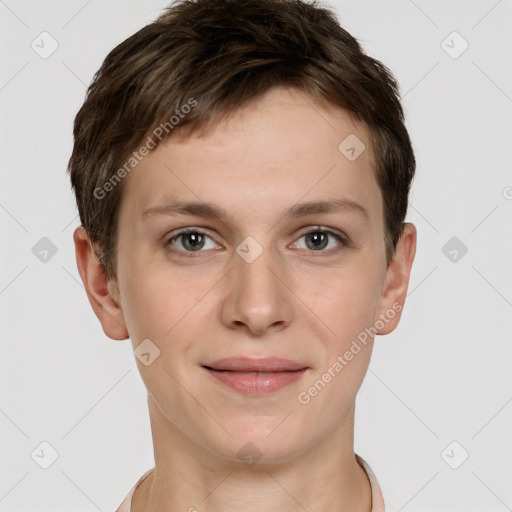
{"type": "Point", "coordinates": [443, 376]}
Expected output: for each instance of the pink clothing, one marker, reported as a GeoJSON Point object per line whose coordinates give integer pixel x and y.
{"type": "Point", "coordinates": [126, 506]}
{"type": "Point", "coordinates": [377, 498]}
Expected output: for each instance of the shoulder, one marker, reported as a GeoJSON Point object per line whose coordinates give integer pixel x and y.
{"type": "Point", "coordinates": [377, 498]}
{"type": "Point", "coordinates": [126, 505]}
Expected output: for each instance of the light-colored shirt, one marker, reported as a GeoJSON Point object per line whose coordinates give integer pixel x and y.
{"type": "Point", "coordinates": [377, 498]}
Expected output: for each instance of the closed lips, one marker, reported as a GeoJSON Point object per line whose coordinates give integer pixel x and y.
{"type": "Point", "coordinates": [269, 365]}
{"type": "Point", "coordinates": [251, 376]}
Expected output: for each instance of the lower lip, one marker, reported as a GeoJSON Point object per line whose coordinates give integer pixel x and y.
{"type": "Point", "coordinates": [257, 383]}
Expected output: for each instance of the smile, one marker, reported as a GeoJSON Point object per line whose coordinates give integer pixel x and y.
{"type": "Point", "coordinates": [256, 376]}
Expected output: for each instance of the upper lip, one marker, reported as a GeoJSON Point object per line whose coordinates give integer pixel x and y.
{"type": "Point", "coordinates": [247, 364]}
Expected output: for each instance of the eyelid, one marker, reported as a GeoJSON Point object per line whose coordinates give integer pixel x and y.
{"type": "Point", "coordinates": [324, 229]}
{"type": "Point", "coordinates": [343, 240]}
{"type": "Point", "coordinates": [176, 234]}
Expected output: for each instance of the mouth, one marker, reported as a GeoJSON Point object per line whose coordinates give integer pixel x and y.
{"type": "Point", "coordinates": [256, 376]}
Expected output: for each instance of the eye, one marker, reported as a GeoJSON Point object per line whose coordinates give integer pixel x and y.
{"type": "Point", "coordinates": [321, 240]}
{"type": "Point", "coordinates": [191, 241]}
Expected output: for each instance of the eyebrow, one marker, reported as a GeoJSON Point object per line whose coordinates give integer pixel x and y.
{"type": "Point", "coordinates": [202, 209]}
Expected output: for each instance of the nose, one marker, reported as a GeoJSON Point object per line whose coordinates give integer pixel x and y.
{"type": "Point", "coordinates": [256, 299]}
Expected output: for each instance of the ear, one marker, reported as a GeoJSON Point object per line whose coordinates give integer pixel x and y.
{"type": "Point", "coordinates": [103, 295]}
{"type": "Point", "coordinates": [397, 280]}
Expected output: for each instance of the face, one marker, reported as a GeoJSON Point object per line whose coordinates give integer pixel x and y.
{"type": "Point", "coordinates": [252, 257]}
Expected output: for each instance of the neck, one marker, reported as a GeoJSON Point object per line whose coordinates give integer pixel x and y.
{"type": "Point", "coordinates": [188, 477]}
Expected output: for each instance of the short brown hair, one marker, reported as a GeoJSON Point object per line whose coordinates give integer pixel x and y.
{"type": "Point", "coordinates": [217, 55]}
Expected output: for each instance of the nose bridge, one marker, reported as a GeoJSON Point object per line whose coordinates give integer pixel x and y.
{"type": "Point", "coordinates": [256, 300]}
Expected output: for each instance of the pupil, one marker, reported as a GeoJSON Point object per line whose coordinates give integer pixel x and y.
{"type": "Point", "coordinates": [318, 240]}
{"type": "Point", "coordinates": [194, 240]}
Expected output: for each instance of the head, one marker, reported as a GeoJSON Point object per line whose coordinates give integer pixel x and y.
{"type": "Point", "coordinates": [263, 129]}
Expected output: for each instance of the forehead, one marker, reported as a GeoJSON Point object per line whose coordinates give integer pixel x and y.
{"type": "Point", "coordinates": [278, 149]}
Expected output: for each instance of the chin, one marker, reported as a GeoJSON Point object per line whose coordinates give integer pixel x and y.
{"type": "Point", "coordinates": [260, 441]}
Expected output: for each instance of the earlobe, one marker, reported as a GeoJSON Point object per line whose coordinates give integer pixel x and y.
{"type": "Point", "coordinates": [397, 281]}
{"type": "Point", "coordinates": [101, 293]}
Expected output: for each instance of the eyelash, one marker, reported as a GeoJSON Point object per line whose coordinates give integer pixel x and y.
{"type": "Point", "coordinates": [343, 240]}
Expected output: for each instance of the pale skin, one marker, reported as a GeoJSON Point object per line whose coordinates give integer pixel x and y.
{"type": "Point", "coordinates": [293, 301]}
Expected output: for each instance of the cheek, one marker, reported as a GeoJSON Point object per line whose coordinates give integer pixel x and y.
{"type": "Point", "coordinates": [349, 309]}
{"type": "Point", "coordinates": [150, 304]}
{"type": "Point", "coordinates": [347, 302]}
{"type": "Point", "coordinates": [159, 302]}
{"type": "Point", "coordinates": [162, 307]}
